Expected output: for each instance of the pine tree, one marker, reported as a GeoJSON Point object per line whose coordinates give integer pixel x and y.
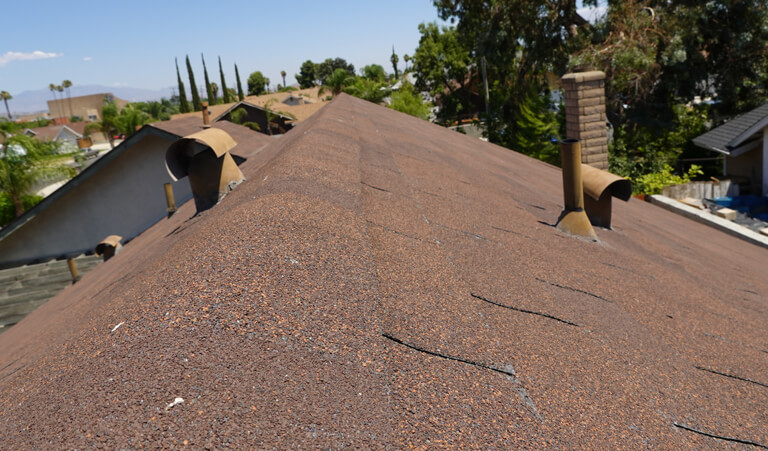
{"type": "Point", "coordinates": [183, 104]}
{"type": "Point", "coordinates": [225, 94]}
{"type": "Point", "coordinates": [240, 94]}
{"type": "Point", "coordinates": [208, 88]}
{"type": "Point", "coordinates": [195, 95]}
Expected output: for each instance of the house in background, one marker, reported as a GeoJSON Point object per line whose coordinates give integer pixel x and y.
{"type": "Point", "coordinates": [85, 107]}
{"type": "Point", "coordinates": [120, 194]}
{"type": "Point", "coordinates": [67, 135]}
{"type": "Point", "coordinates": [743, 143]}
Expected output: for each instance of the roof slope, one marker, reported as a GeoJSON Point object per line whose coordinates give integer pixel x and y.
{"type": "Point", "coordinates": [381, 281]}
{"type": "Point", "coordinates": [734, 132]}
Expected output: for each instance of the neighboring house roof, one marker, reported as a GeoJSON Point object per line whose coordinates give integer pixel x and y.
{"type": "Point", "coordinates": [382, 282]}
{"type": "Point", "coordinates": [53, 132]}
{"type": "Point", "coordinates": [301, 112]}
{"type": "Point", "coordinates": [734, 137]}
{"type": "Point", "coordinates": [249, 105]}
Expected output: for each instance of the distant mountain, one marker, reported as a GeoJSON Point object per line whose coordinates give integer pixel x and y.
{"type": "Point", "coordinates": [29, 102]}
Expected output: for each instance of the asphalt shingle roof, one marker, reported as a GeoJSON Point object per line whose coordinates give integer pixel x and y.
{"type": "Point", "coordinates": [379, 281]}
{"type": "Point", "coordinates": [734, 132]}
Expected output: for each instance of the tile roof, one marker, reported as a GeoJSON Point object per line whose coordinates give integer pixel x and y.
{"type": "Point", "coordinates": [735, 132]}
{"type": "Point", "coordinates": [379, 281]}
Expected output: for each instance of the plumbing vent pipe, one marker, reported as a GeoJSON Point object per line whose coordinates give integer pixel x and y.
{"type": "Point", "coordinates": [599, 187]}
{"type": "Point", "coordinates": [204, 157]}
{"type": "Point", "coordinates": [169, 199]}
{"type": "Point", "coordinates": [573, 220]}
{"type": "Point", "coordinates": [73, 270]}
{"type": "Point", "coordinates": [206, 117]}
{"type": "Point", "coordinates": [109, 247]}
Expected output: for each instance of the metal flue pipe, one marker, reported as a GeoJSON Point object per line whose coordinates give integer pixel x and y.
{"type": "Point", "coordinates": [573, 220]}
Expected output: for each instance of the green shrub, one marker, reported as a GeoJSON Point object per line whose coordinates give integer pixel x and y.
{"type": "Point", "coordinates": [654, 182]}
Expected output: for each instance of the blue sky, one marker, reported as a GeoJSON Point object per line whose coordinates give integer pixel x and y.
{"type": "Point", "coordinates": [134, 43]}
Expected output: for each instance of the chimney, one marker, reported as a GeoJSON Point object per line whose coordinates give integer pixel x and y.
{"type": "Point", "coordinates": [109, 247]}
{"type": "Point", "coordinates": [206, 117]}
{"type": "Point", "coordinates": [585, 115]}
{"type": "Point", "coordinates": [204, 157]}
{"type": "Point", "coordinates": [573, 219]}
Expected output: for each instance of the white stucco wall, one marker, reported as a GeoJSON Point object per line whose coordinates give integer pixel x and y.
{"type": "Point", "coordinates": [124, 198]}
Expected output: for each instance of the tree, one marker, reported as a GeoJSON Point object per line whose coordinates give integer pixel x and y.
{"type": "Point", "coordinates": [408, 101]}
{"type": "Point", "coordinates": [211, 97]}
{"type": "Point", "coordinates": [374, 72]}
{"type": "Point", "coordinates": [60, 90]}
{"type": "Point", "coordinates": [225, 98]}
{"type": "Point", "coordinates": [257, 83]}
{"type": "Point", "coordinates": [537, 129]}
{"type": "Point", "coordinates": [657, 56]}
{"type": "Point", "coordinates": [183, 103]}
{"type": "Point", "coordinates": [6, 96]}
{"type": "Point", "coordinates": [238, 117]}
{"type": "Point", "coordinates": [215, 93]}
{"type": "Point", "coordinates": [196, 104]}
{"type": "Point", "coordinates": [326, 68]}
{"type": "Point", "coordinates": [442, 64]}
{"type": "Point", "coordinates": [240, 95]}
{"type": "Point", "coordinates": [520, 42]}
{"type": "Point", "coordinates": [54, 89]}
{"type": "Point", "coordinates": [337, 82]}
{"type": "Point", "coordinates": [306, 76]}
{"type": "Point", "coordinates": [66, 84]}
{"type": "Point", "coordinates": [23, 162]}
{"type": "Point", "coordinates": [130, 119]}
{"type": "Point", "coordinates": [394, 59]}
{"type": "Point", "coordinates": [282, 74]}
{"type": "Point", "coordinates": [406, 59]}
{"type": "Point", "coordinates": [367, 89]}
{"type": "Point", "coordinates": [109, 121]}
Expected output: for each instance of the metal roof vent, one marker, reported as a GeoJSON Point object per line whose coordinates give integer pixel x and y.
{"type": "Point", "coordinates": [600, 186]}
{"type": "Point", "coordinates": [204, 157]}
{"type": "Point", "coordinates": [109, 247]}
{"type": "Point", "coordinates": [573, 220]}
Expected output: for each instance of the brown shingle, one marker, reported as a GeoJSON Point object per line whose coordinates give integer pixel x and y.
{"type": "Point", "coordinates": [379, 281]}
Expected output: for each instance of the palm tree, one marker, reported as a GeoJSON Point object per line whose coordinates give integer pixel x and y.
{"type": "Point", "coordinates": [282, 72]}
{"type": "Point", "coordinates": [336, 82]}
{"type": "Point", "coordinates": [406, 58]}
{"type": "Point", "coordinates": [52, 87]}
{"type": "Point", "coordinates": [60, 90]}
{"type": "Point", "coordinates": [6, 96]}
{"type": "Point", "coordinates": [23, 162]}
{"type": "Point", "coordinates": [66, 84]}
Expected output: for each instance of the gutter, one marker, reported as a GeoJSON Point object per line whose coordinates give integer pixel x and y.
{"type": "Point", "coordinates": [707, 218]}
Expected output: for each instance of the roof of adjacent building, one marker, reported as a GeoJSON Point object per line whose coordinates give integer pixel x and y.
{"type": "Point", "coordinates": [301, 112]}
{"type": "Point", "coordinates": [379, 281]}
{"type": "Point", "coordinates": [734, 133]}
{"type": "Point", "coordinates": [51, 132]}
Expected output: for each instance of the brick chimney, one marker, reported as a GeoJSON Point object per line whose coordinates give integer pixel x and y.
{"type": "Point", "coordinates": [585, 115]}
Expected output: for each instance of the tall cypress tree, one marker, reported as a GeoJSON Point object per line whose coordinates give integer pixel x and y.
{"type": "Point", "coordinates": [208, 88]}
{"type": "Point", "coordinates": [195, 95]}
{"type": "Point", "coordinates": [225, 96]}
{"type": "Point", "coordinates": [183, 103]}
{"type": "Point", "coordinates": [240, 94]}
